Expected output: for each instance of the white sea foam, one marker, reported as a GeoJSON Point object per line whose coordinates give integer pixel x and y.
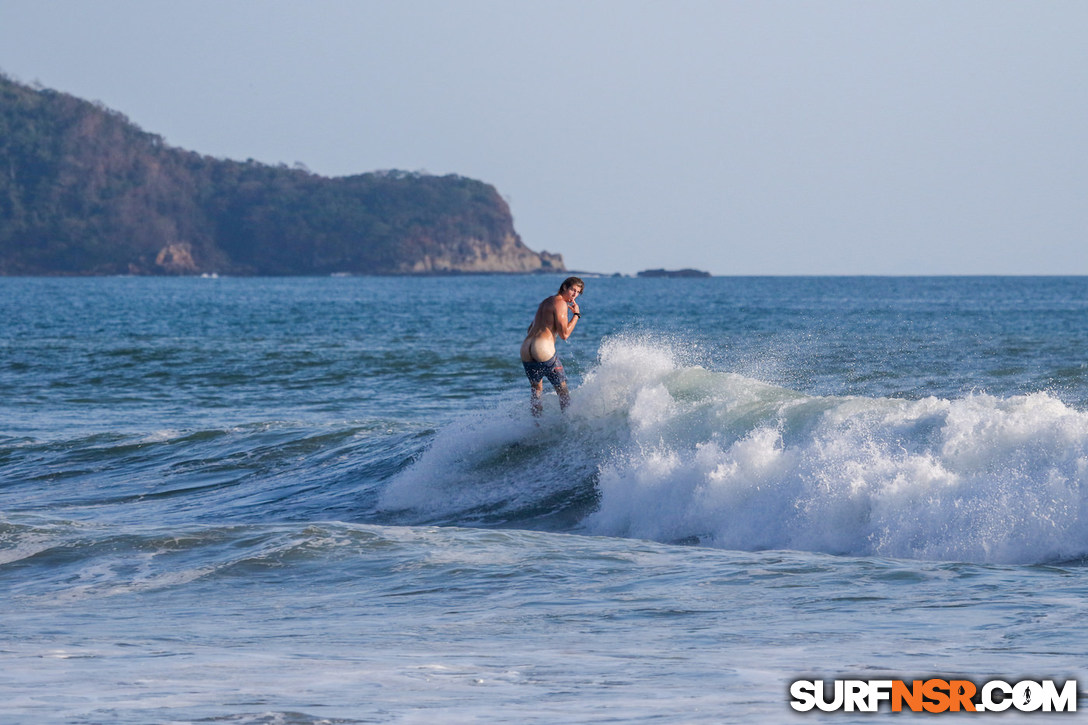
{"type": "Point", "coordinates": [735, 463]}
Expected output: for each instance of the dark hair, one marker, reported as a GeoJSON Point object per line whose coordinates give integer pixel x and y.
{"type": "Point", "coordinates": [571, 282]}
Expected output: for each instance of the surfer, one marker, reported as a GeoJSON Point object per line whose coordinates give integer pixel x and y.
{"type": "Point", "coordinates": [555, 316]}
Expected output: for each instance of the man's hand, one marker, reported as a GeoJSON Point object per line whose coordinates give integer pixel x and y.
{"type": "Point", "coordinates": [574, 308]}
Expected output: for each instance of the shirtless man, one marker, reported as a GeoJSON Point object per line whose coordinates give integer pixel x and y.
{"type": "Point", "coordinates": [538, 354]}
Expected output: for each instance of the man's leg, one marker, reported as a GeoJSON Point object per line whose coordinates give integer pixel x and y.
{"type": "Point", "coordinates": [558, 378]}
{"type": "Point", "coordinates": [535, 403]}
{"type": "Point", "coordinates": [564, 396]}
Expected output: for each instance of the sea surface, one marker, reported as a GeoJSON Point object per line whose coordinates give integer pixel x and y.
{"type": "Point", "coordinates": [325, 501]}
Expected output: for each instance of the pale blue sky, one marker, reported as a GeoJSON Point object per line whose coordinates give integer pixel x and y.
{"type": "Point", "coordinates": [741, 137]}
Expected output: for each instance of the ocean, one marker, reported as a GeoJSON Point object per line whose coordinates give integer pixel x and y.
{"type": "Point", "coordinates": [309, 500]}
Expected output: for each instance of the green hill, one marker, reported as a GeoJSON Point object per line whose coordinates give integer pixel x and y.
{"type": "Point", "coordinates": [85, 191]}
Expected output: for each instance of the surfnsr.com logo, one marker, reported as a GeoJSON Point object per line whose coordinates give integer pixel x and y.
{"type": "Point", "coordinates": [933, 695]}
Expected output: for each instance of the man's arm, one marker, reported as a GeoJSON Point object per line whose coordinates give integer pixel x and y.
{"type": "Point", "coordinates": [563, 326]}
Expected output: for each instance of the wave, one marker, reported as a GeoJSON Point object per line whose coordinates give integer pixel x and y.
{"type": "Point", "coordinates": [656, 446]}
{"type": "Point", "coordinates": [262, 471]}
{"type": "Point", "coordinates": [69, 560]}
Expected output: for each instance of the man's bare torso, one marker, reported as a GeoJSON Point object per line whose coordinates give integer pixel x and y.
{"type": "Point", "coordinates": [539, 343]}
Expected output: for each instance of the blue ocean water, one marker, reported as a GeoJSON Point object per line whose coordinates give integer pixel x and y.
{"type": "Point", "coordinates": [324, 500]}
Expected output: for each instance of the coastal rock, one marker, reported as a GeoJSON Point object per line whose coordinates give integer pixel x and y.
{"type": "Point", "coordinates": [177, 259]}
{"type": "Point", "coordinates": [477, 255]}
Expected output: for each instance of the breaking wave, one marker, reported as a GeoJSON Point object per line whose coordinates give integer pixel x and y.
{"type": "Point", "coordinates": [657, 447]}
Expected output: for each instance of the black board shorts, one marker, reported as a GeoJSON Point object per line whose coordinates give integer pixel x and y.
{"type": "Point", "coordinates": [550, 369]}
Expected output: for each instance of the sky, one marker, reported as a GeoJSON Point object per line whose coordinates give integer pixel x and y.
{"type": "Point", "coordinates": [741, 137]}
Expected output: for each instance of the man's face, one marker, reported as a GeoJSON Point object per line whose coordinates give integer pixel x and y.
{"type": "Point", "coordinates": [571, 293]}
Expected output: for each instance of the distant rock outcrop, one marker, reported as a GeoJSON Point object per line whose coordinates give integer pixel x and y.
{"type": "Point", "coordinates": [84, 191]}
{"type": "Point", "coordinates": [673, 273]}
